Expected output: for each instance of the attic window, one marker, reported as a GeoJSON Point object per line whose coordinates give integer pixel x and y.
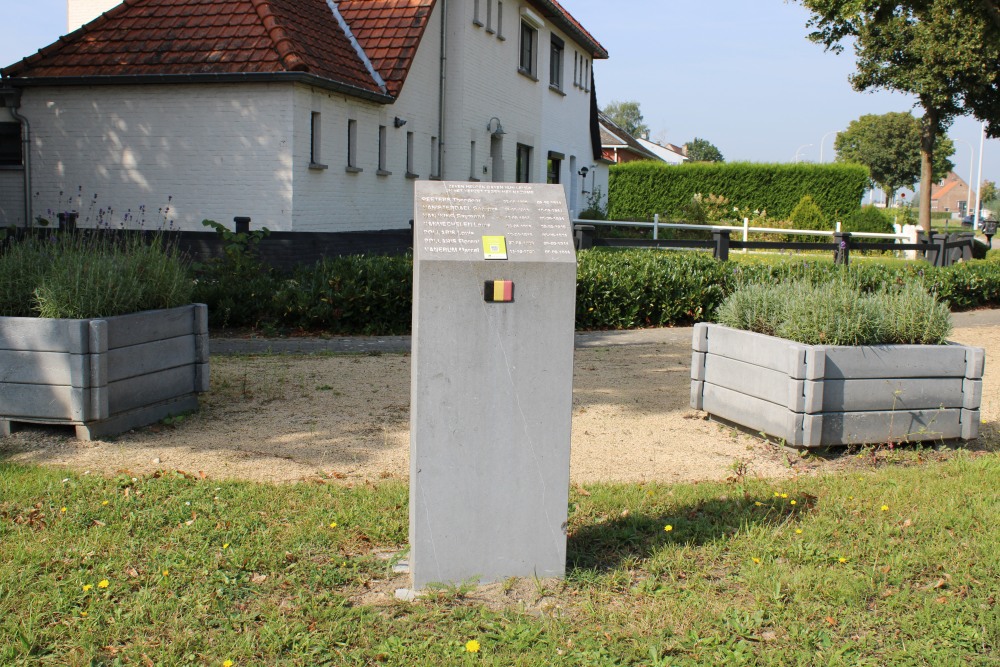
{"type": "Point", "coordinates": [10, 145]}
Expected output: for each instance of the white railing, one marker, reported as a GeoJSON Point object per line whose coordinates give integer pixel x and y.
{"type": "Point", "coordinates": [745, 228]}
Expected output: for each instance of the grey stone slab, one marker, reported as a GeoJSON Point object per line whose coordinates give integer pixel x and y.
{"type": "Point", "coordinates": [21, 402]}
{"type": "Point", "coordinates": [971, 419]}
{"type": "Point", "coordinates": [895, 361]}
{"type": "Point", "coordinates": [125, 421]}
{"type": "Point", "coordinates": [150, 325]}
{"type": "Point", "coordinates": [132, 393]}
{"type": "Point", "coordinates": [752, 412]}
{"type": "Point", "coordinates": [698, 394]}
{"type": "Point", "coordinates": [975, 362]}
{"type": "Point", "coordinates": [893, 394]}
{"type": "Point", "coordinates": [491, 391]}
{"type": "Point", "coordinates": [698, 366]}
{"type": "Point", "coordinates": [145, 358]}
{"type": "Point", "coordinates": [44, 335]}
{"type": "Point", "coordinates": [59, 368]}
{"type": "Point", "coordinates": [97, 332]}
{"type": "Point", "coordinates": [972, 394]}
{"type": "Point", "coordinates": [745, 378]}
{"type": "Point", "coordinates": [201, 346]}
{"type": "Point", "coordinates": [202, 377]}
{"type": "Point", "coordinates": [757, 349]}
{"type": "Point", "coordinates": [891, 426]}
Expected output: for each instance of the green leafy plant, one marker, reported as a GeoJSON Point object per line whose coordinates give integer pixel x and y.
{"type": "Point", "coordinates": [91, 273]}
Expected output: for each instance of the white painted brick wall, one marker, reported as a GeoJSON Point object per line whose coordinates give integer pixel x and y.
{"type": "Point", "coordinates": [205, 151]}
{"type": "Point", "coordinates": [79, 12]}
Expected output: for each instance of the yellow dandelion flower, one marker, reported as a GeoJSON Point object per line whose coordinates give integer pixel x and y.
{"type": "Point", "coordinates": [668, 528]}
{"type": "Point", "coordinates": [793, 502]}
{"type": "Point", "coordinates": [166, 573]}
{"type": "Point", "coordinates": [758, 503]}
{"type": "Point", "coordinates": [472, 646]}
{"type": "Point", "coordinates": [756, 560]}
{"type": "Point", "coordinates": [784, 495]}
{"type": "Point", "coordinates": [798, 531]}
{"type": "Point", "coordinates": [226, 545]}
{"type": "Point", "coordinates": [103, 583]}
{"type": "Point", "coordinates": [104, 503]}
{"type": "Point", "coordinates": [885, 508]}
{"type": "Point", "coordinates": [841, 560]}
{"type": "Point", "coordinates": [227, 663]}
{"type": "Point", "coordinates": [777, 495]}
{"type": "Point", "coordinates": [83, 614]}
{"type": "Point", "coordinates": [87, 587]}
{"type": "Point", "coordinates": [333, 524]}
{"type": "Point", "coordinates": [62, 510]}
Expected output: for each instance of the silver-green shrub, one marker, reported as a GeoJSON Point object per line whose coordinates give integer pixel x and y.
{"type": "Point", "coordinates": [92, 274]}
{"type": "Point", "coordinates": [839, 313]}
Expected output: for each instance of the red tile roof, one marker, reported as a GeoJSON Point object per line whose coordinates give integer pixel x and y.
{"type": "Point", "coordinates": [389, 31]}
{"type": "Point", "coordinates": [237, 37]}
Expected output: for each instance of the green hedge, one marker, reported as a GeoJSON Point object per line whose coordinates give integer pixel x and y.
{"type": "Point", "coordinates": [615, 290]}
{"type": "Point", "coordinates": [637, 190]}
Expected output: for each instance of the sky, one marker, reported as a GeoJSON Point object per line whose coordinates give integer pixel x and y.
{"type": "Point", "coordinates": [741, 74]}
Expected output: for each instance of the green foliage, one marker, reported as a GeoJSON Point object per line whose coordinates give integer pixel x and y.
{"type": "Point", "coordinates": [356, 294]}
{"type": "Point", "coordinates": [868, 219]}
{"type": "Point", "coordinates": [702, 150]}
{"type": "Point", "coordinates": [988, 192]}
{"type": "Point", "coordinates": [839, 313]}
{"type": "Point", "coordinates": [627, 116]}
{"type": "Point", "coordinates": [808, 215]}
{"type": "Point", "coordinates": [889, 145]}
{"type": "Point", "coordinates": [637, 190]}
{"type": "Point", "coordinates": [914, 47]}
{"type": "Point", "coordinates": [632, 289]}
{"type": "Point", "coordinates": [88, 274]}
{"type": "Point", "coordinates": [238, 288]}
{"type": "Point", "coordinates": [595, 209]}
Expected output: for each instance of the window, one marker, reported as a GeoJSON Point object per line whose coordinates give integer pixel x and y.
{"type": "Point", "coordinates": [489, 16]}
{"type": "Point", "coordinates": [585, 75]}
{"type": "Point", "coordinates": [556, 63]}
{"type": "Point", "coordinates": [500, 20]}
{"type": "Point", "coordinates": [554, 168]}
{"type": "Point", "coordinates": [529, 41]}
{"type": "Point", "coordinates": [475, 14]}
{"type": "Point", "coordinates": [315, 141]}
{"type": "Point", "coordinates": [523, 163]}
{"type": "Point", "coordinates": [10, 145]}
{"type": "Point", "coordinates": [383, 152]}
{"type": "Point", "coordinates": [435, 158]}
{"type": "Point", "coordinates": [409, 156]}
{"type": "Point", "coordinates": [472, 162]}
{"type": "Point", "coordinates": [576, 68]}
{"type": "Point", "coordinates": [352, 146]}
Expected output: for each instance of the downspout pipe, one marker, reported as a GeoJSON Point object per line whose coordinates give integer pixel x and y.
{"type": "Point", "coordinates": [442, 86]}
{"type": "Point", "coordinates": [25, 152]}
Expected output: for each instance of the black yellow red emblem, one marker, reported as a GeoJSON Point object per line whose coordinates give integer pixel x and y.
{"type": "Point", "coordinates": [498, 291]}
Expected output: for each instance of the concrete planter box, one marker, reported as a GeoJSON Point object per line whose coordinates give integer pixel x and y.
{"type": "Point", "coordinates": [103, 375]}
{"type": "Point", "coordinates": [821, 395]}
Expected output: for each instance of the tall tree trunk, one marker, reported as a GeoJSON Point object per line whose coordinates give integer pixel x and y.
{"type": "Point", "coordinates": [928, 133]}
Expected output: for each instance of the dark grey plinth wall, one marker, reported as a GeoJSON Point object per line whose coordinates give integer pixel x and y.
{"type": "Point", "coordinates": [821, 395]}
{"type": "Point", "coordinates": [491, 394]}
{"type": "Point", "coordinates": [103, 375]}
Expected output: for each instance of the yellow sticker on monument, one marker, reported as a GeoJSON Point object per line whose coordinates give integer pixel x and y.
{"type": "Point", "coordinates": [494, 247]}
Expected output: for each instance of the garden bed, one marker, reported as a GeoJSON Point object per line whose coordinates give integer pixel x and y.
{"type": "Point", "coordinates": [822, 395]}
{"type": "Point", "coordinates": [103, 375]}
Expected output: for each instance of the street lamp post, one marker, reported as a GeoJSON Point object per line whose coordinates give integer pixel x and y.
{"type": "Point", "coordinates": [799, 150]}
{"type": "Point", "coordinates": [823, 141]}
{"type": "Point", "coordinates": [979, 181]}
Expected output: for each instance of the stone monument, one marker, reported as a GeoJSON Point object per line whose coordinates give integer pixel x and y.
{"type": "Point", "coordinates": [494, 287]}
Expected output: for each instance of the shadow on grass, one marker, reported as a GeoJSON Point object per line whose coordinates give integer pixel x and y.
{"type": "Point", "coordinates": [607, 545]}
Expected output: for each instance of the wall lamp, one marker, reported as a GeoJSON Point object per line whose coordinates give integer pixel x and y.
{"type": "Point", "coordinates": [498, 131]}
{"type": "Point", "coordinates": [398, 122]}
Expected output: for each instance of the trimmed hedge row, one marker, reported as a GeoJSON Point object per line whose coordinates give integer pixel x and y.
{"type": "Point", "coordinates": [615, 290]}
{"type": "Point", "coordinates": [637, 190]}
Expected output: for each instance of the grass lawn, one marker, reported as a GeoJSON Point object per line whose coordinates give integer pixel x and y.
{"type": "Point", "coordinates": [879, 565]}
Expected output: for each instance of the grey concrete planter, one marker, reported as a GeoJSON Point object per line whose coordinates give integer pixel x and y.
{"type": "Point", "coordinates": [821, 395]}
{"type": "Point", "coordinates": [103, 375]}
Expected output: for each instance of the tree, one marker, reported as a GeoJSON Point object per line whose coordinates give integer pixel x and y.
{"type": "Point", "coordinates": [944, 52]}
{"type": "Point", "coordinates": [987, 192]}
{"type": "Point", "coordinates": [889, 145]}
{"type": "Point", "coordinates": [627, 116]}
{"type": "Point", "coordinates": [702, 150]}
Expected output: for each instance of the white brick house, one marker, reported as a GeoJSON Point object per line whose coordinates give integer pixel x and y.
{"type": "Point", "coordinates": [306, 115]}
